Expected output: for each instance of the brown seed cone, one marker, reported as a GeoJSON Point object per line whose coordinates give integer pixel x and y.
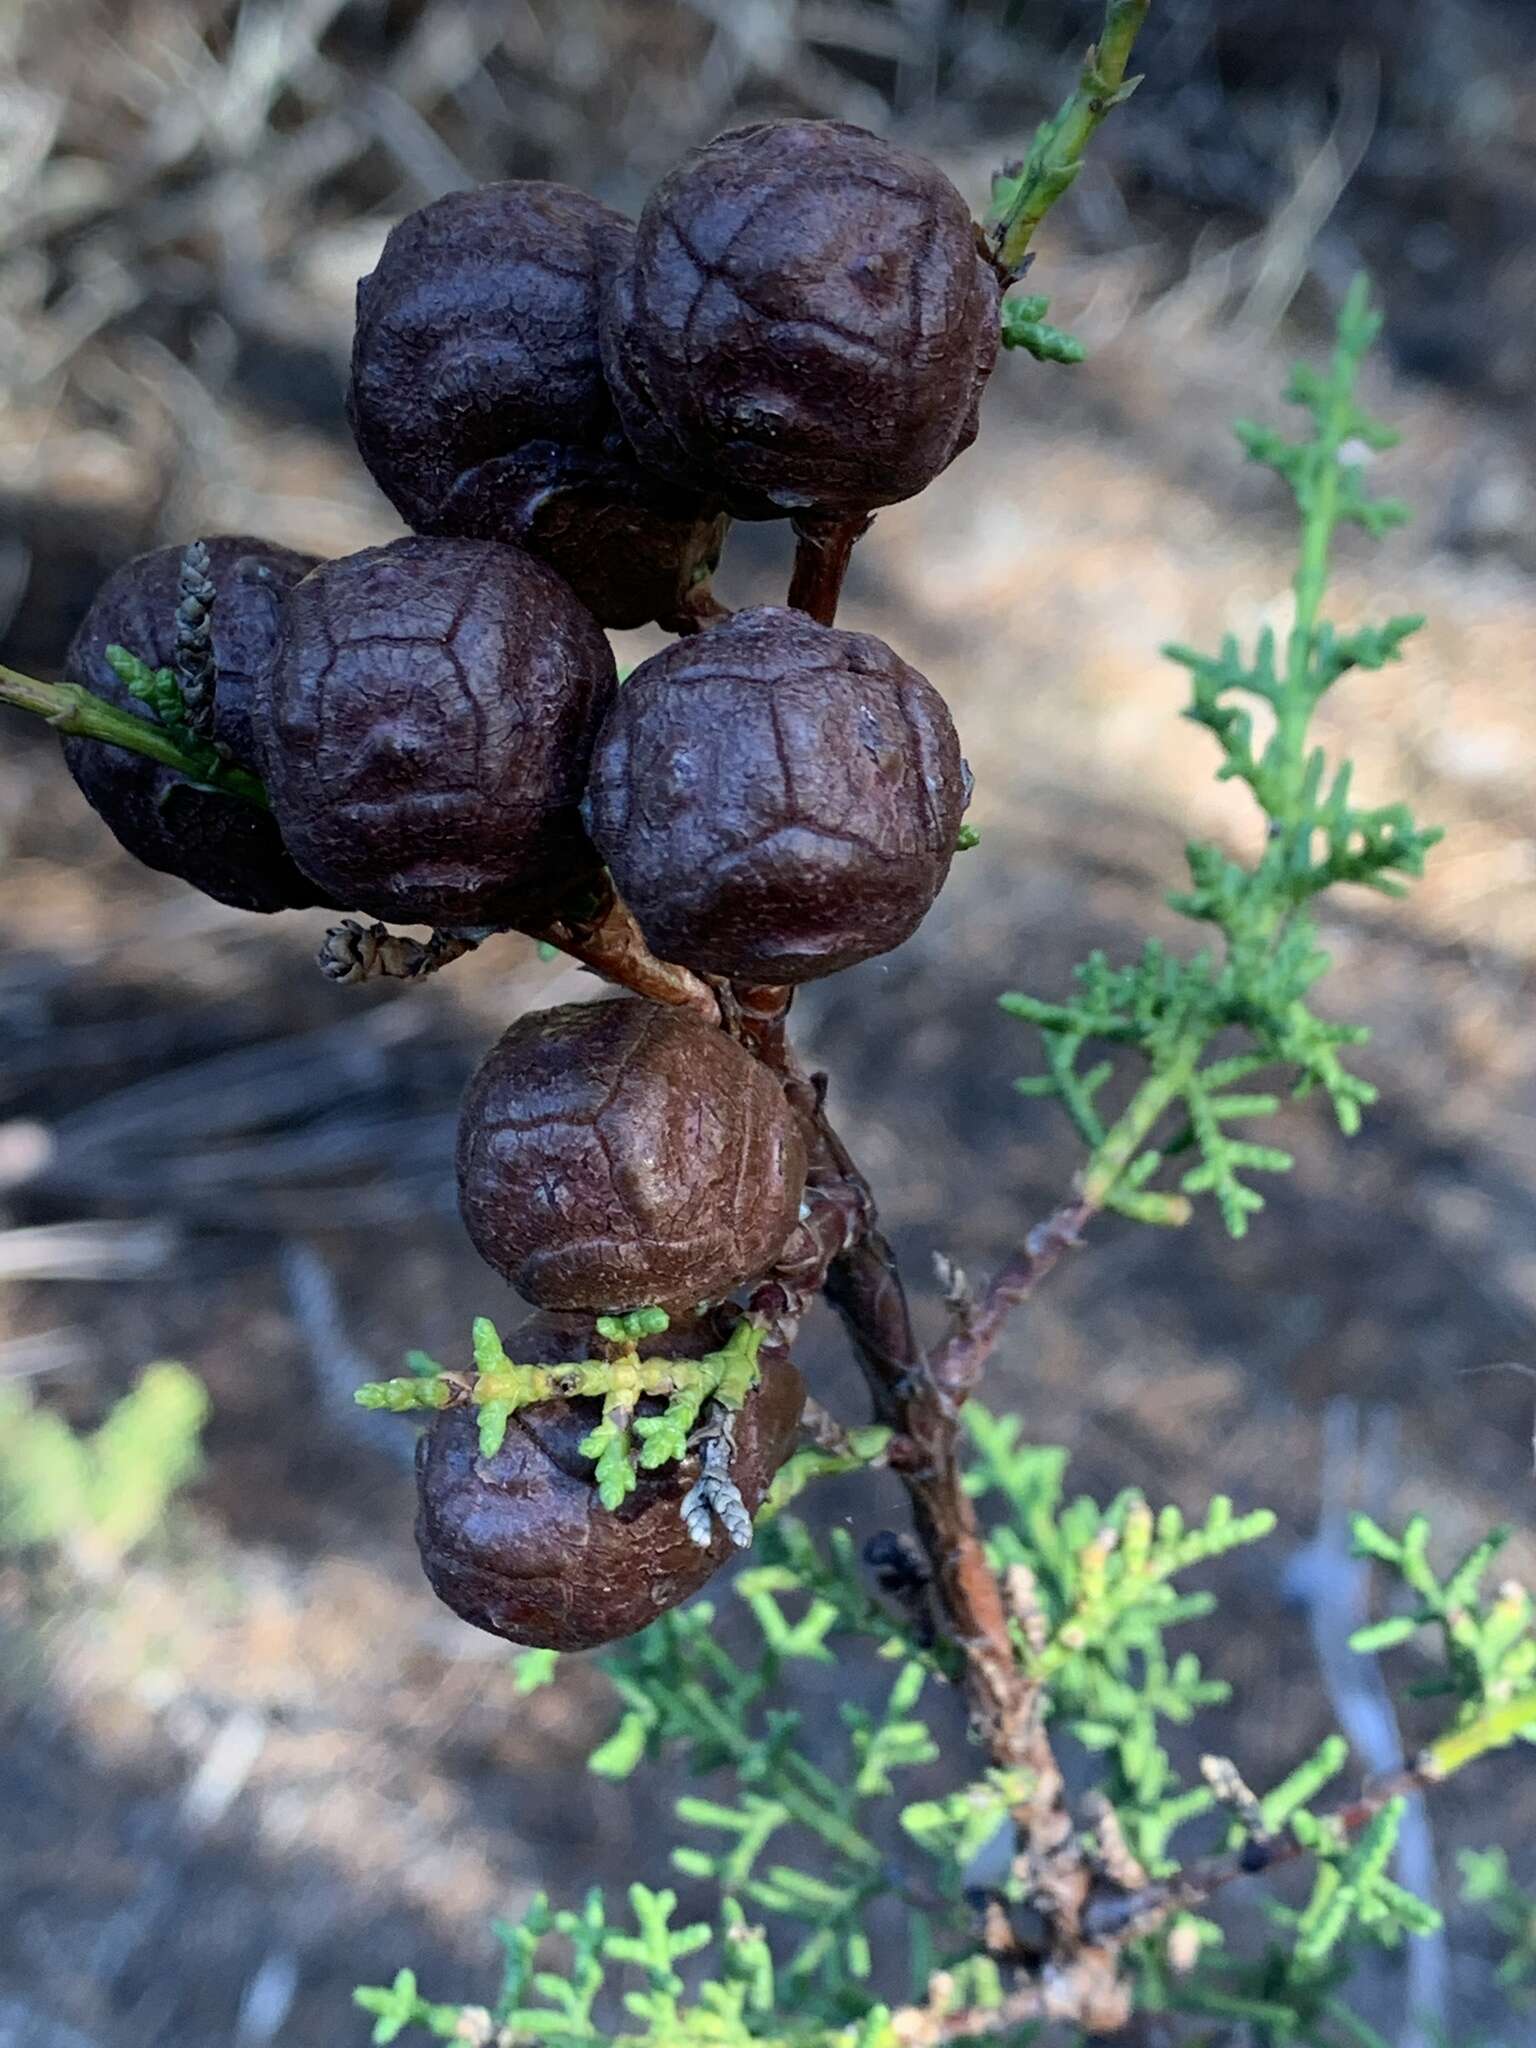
{"type": "Point", "coordinates": [617, 1154]}
{"type": "Point", "coordinates": [478, 403]}
{"type": "Point", "coordinates": [775, 799]}
{"type": "Point", "coordinates": [805, 323]}
{"type": "Point", "coordinates": [228, 848]}
{"type": "Point", "coordinates": [429, 715]}
{"type": "Point", "coordinates": [521, 1546]}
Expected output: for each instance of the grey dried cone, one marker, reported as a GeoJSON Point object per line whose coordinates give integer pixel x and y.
{"type": "Point", "coordinates": [478, 403]}
{"type": "Point", "coordinates": [616, 1154]}
{"type": "Point", "coordinates": [196, 665]}
{"type": "Point", "coordinates": [230, 849]}
{"type": "Point", "coordinates": [428, 719]}
{"type": "Point", "coordinates": [805, 323]}
{"type": "Point", "coordinates": [521, 1546]}
{"type": "Point", "coordinates": [777, 800]}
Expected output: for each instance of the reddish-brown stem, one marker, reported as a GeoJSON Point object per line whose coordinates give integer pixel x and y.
{"type": "Point", "coordinates": [613, 945]}
{"type": "Point", "coordinates": [1085, 1985]}
{"type": "Point", "coordinates": [823, 549]}
{"type": "Point", "coordinates": [864, 1287]}
{"type": "Point", "coordinates": [605, 938]}
{"type": "Point", "coordinates": [959, 1362]}
{"type": "Point", "coordinates": [840, 1247]}
{"type": "Point", "coordinates": [782, 1299]}
{"type": "Point", "coordinates": [757, 1015]}
{"type": "Point", "coordinates": [863, 1284]}
{"type": "Point", "coordinates": [1114, 1914]}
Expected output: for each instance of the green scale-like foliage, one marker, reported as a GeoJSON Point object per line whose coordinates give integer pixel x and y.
{"type": "Point", "coordinates": [1487, 1883]}
{"type": "Point", "coordinates": [205, 766]}
{"type": "Point", "coordinates": [797, 1838]}
{"type": "Point", "coordinates": [97, 1495]}
{"type": "Point", "coordinates": [803, 1840]}
{"type": "Point", "coordinates": [621, 1444]}
{"type": "Point", "coordinates": [1256, 983]}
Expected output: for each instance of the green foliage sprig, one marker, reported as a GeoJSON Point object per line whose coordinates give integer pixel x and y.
{"type": "Point", "coordinates": [1094, 1599]}
{"type": "Point", "coordinates": [865, 1447]}
{"type": "Point", "coordinates": [203, 763]}
{"type": "Point", "coordinates": [1023, 193]}
{"type": "Point", "coordinates": [1025, 326]}
{"type": "Point", "coordinates": [791, 1836]}
{"type": "Point", "coordinates": [97, 1495]}
{"type": "Point", "coordinates": [1257, 981]}
{"type": "Point", "coordinates": [1293, 1991]}
{"type": "Point", "coordinates": [1488, 1645]}
{"type": "Point", "coordinates": [543, 2007]}
{"type": "Point", "coordinates": [620, 1444]}
{"type": "Point", "coordinates": [794, 1832]}
{"type": "Point", "coordinates": [1486, 1882]}
{"type": "Point", "coordinates": [78, 713]}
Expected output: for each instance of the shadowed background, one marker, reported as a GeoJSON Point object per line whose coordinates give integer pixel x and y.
{"type": "Point", "coordinates": [261, 1765]}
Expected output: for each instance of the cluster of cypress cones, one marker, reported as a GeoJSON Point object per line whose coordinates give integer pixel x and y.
{"type": "Point", "coordinates": [568, 410]}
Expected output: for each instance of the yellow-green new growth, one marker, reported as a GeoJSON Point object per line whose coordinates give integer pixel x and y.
{"type": "Point", "coordinates": [621, 1445]}
{"type": "Point", "coordinates": [96, 1495]}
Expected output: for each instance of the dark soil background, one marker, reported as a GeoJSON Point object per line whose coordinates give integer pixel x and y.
{"type": "Point", "coordinates": [261, 1765]}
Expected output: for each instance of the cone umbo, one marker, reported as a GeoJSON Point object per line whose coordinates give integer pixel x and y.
{"type": "Point", "coordinates": [776, 799]}
{"type": "Point", "coordinates": [616, 1154]}
{"type": "Point", "coordinates": [478, 402]}
{"type": "Point", "coordinates": [429, 714]}
{"type": "Point", "coordinates": [805, 321]}
{"type": "Point", "coordinates": [520, 1545]}
{"type": "Point", "coordinates": [228, 848]}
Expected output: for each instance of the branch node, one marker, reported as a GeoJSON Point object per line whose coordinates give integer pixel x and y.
{"type": "Point", "coordinates": [1116, 1858]}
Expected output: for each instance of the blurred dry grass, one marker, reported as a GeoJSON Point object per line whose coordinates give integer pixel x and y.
{"type": "Point", "coordinates": [265, 1765]}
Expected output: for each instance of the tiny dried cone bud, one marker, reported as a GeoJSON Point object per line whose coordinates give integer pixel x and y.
{"type": "Point", "coordinates": [429, 715]}
{"type": "Point", "coordinates": [521, 1546]}
{"type": "Point", "coordinates": [228, 848]}
{"type": "Point", "coordinates": [477, 398]}
{"type": "Point", "coordinates": [777, 800]}
{"type": "Point", "coordinates": [805, 321]}
{"type": "Point", "coordinates": [618, 1153]}
{"type": "Point", "coordinates": [351, 952]}
{"type": "Point", "coordinates": [197, 668]}
{"type": "Point", "coordinates": [1182, 1947]}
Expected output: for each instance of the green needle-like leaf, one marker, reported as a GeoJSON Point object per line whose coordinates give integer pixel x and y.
{"type": "Point", "coordinates": [1257, 981]}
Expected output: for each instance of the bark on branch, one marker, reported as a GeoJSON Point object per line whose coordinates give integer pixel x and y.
{"type": "Point", "coordinates": [959, 1362]}
{"type": "Point", "coordinates": [613, 945]}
